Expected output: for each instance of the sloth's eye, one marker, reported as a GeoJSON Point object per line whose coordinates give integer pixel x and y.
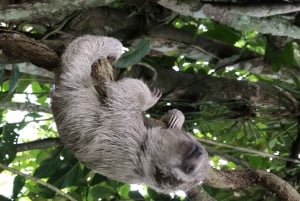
{"type": "Point", "coordinates": [195, 152]}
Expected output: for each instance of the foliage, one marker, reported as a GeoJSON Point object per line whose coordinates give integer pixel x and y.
{"type": "Point", "coordinates": [263, 132]}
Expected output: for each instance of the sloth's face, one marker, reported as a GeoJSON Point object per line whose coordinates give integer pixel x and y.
{"type": "Point", "coordinates": [177, 161]}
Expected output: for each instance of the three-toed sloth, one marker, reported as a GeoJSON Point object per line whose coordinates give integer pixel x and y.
{"type": "Point", "coordinates": [108, 133]}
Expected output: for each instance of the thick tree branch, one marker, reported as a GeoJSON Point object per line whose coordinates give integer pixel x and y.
{"type": "Point", "coordinates": [46, 10]}
{"type": "Point", "coordinates": [236, 17]}
{"type": "Point", "coordinates": [19, 46]}
{"type": "Point", "coordinates": [195, 8]}
{"type": "Point", "coordinates": [235, 179]}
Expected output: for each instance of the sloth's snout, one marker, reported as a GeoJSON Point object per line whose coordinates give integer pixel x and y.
{"type": "Point", "coordinates": [190, 161]}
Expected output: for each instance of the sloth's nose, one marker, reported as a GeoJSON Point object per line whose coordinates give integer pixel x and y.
{"type": "Point", "coordinates": [190, 162]}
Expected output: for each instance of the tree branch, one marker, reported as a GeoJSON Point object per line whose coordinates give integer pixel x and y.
{"type": "Point", "coordinates": [46, 10]}
{"type": "Point", "coordinates": [38, 144]}
{"type": "Point", "coordinates": [16, 45]}
{"type": "Point", "coordinates": [235, 179]}
{"type": "Point", "coordinates": [251, 151]}
{"type": "Point", "coordinates": [236, 17]}
{"type": "Point", "coordinates": [29, 107]}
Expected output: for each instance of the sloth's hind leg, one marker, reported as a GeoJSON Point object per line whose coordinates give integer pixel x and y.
{"type": "Point", "coordinates": [133, 94]}
{"type": "Point", "coordinates": [150, 98]}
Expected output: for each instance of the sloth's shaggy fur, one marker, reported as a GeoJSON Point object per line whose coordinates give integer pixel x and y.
{"type": "Point", "coordinates": [108, 133]}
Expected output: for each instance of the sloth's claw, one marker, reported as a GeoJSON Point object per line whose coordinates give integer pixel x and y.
{"type": "Point", "coordinates": [156, 93]}
{"type": "Point", "coordinates": [173, 122]}
{"type": "Point", "coordinates": [174, 118]}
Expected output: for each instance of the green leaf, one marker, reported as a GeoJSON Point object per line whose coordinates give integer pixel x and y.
{"type": "Point", "coordinates": [37, 87]}
{"type": "Point", "coordinates": [153, 194]}
{"type": "Point", "coordinates": [13, 81]}
{"type": "Point", "coordinates": [97, 179]}
{"type": "Point", "coordinates": [280, 58]}
{"type": "Point", "coordinates": [221, 32]}
{"type": "Point", "coordinates": [60, 160]}
{"type": "Point", "coordinates": [8, 140]}
{"type": "Point", "coordinates": [51, 164]}
{"type": "Point", "coordinates": [68, 178]}
{"type": "Point", "coordinates": [124, 190]}
{"type": "Point", "coordinates": [18, 185]}
{"type": "Point", "coordinates": [134, 55]}
{"type": "Point", "coordinates": [135, 195]}
{"type": "Point", "coordinates": [100, 191]}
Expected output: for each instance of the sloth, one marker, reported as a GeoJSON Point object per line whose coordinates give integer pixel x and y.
{"type": "Point", "coordinates": [108, 133]}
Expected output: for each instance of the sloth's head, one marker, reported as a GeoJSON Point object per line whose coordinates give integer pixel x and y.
{"type": "Point", "coordinates": [173, 160]}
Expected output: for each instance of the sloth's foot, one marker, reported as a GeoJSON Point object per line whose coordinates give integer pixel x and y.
{"type": "Point", "coordinates": [152, 98]}
{"type": "Point", "coordinates": [174, 118]}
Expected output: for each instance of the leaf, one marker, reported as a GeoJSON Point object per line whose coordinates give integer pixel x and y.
{"type": "Point", "coordinates": [19, 182]}
{"type": "Point", "coordinates": [68, 178]}
{"type": "Point", "coordinates": [134, 55]}
{"type": "Point", "coordinates": [100, 191]}
{"type": "Point", "coordinates": [37, 87]}
{"type": "Point", "coordinates": [221, 32]}
{"type": "Point", "coordinates": [13, 81]}
{"type": "Point", "coordinates": [135, 195]}
{"type": "Point", "coordinates": [153, 194]}
{"type": "Point", "coordinates": [284, 57]}
{"type": "Point", "coordinates": [51, 164]}
{"type": "Point", "coordinates": [124, 190]}
{"type": "Point", "coordinates": [62, 169]}
{"type": "Point", "coordinates": [97, 179]}
{"type": "Point", "coordinates": [60, 160]}
{"type": "Point", "coordinates": [8, 142]}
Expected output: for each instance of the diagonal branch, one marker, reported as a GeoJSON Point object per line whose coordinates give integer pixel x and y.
{"type": "Point", "coordinates": [37, 180]}
{"type": "Point", "coordinates": [235, 179]}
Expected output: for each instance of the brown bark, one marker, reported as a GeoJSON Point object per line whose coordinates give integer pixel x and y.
{"type": "Point", "coordinates": [21, 47]}
{"type": "Point", "coordinates": [234, 179]}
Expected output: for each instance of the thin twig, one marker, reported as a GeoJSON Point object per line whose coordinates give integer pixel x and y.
{"type": "Point", "coordinates": [247, 150]}
{"type": "Point", "coordinates": [37, 180]}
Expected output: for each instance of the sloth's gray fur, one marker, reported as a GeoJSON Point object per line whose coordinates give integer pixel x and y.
{"type": "Point", "coordinates": [109, 136]}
